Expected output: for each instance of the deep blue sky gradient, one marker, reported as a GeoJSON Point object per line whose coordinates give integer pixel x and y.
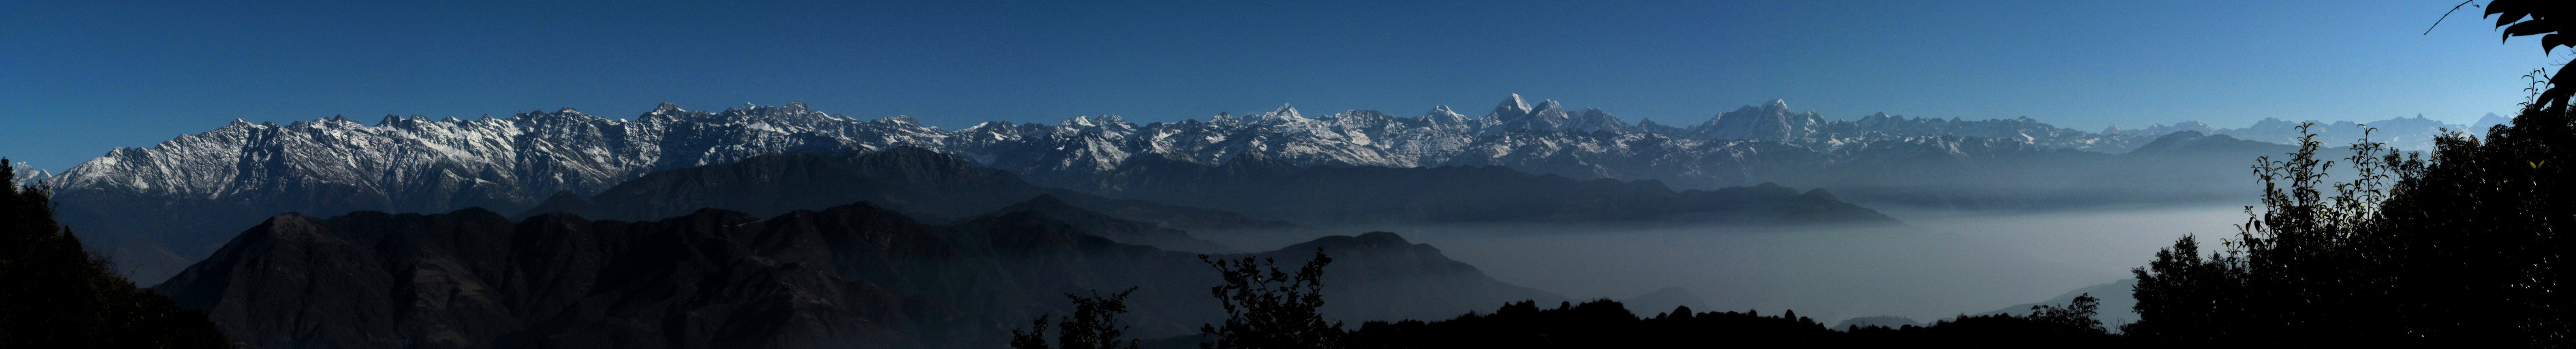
{"type": "Point", "coordinates": [78, 78]}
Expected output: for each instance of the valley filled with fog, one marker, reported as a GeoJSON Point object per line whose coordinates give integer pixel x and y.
{"type": "Point", "coordinates": [1941, 264]}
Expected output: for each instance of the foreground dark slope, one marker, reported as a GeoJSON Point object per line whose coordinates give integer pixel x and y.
{"type": "Point", "coordinates": [850, 276]}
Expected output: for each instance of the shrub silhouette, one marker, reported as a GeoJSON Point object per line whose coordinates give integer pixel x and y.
{"type": "Point", "coordinates": [1093, 325]}
{"type": "Point", "coordinates": [1271, 309]}
{"type": "Point", "coordinates": [2074, 316]}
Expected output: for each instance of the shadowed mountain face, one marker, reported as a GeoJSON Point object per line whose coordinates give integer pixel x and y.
{"type": "Point", "coordinates": [854, 276]}
{"type": "Point", "coordinates": [2175, 169]}
{"type": "Point", "coordinates": [920, 183]}
{"type": "Point", "coordinates": [1259, 186]}
{"type": "Point", "coordinates": [1121, 230]}
{"type": "Point", "coordinates": [911, 180]}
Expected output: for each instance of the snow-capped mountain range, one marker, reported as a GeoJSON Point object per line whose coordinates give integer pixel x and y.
{"type": "Point", "coordinates": [202, 188]}
{"type": "Point", "coordinates": [2410, 134]}
{"type": "Point", "coordinates": [417, 164]}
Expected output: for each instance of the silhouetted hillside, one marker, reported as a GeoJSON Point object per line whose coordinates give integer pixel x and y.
{"type": "Point", "coordinates": [849, 276]}
{"type": "Point", "coordinates": [1124, 231]}
{"type": "Point", "coordinates": [1609, 324]}
{"type": "Point", "coordinates": [2114, 295]}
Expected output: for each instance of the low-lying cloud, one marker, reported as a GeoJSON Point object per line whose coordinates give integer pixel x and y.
{"type": "Point", "coordinates": [1946, 263]}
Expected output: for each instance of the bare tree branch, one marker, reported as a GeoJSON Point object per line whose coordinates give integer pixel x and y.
{"type": "Point", "coordinates": [2437, 22]}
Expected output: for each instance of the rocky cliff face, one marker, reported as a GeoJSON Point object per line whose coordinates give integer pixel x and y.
{"type": "Point", "coordinates": [851, 276]}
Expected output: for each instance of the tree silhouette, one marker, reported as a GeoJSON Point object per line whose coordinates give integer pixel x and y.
{"type": "Point", "coordinates": [2186, 298]}
{"type": "Point", "coordinates": [2076, 315]}
{"type": "Point", "coordinates": [1271, 309]}
{"type": "Point", "coordinates": [1093, 325]}
{"type": "Point", "coordinates": [2547, 18]}
{"type": "Point", "coordinates": [2458, 246]}
{"type": "Point", "coordinates": [56, 294]}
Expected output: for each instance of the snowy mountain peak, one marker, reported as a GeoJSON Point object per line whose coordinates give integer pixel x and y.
{"type": "Point", "coordinates": [1512, 107]}
{"type": "Point", "coordinates": [27, 174]}
{"type": "Point", "coordinates": [903, 120]}
{"type": "Point", "coordinates": [666, 107]}
{"type": "Point", "coordinates": [1593, 119]}
{"type": "Point", "coordinates": [1077, 121]}
{"type": "Point", "coordinates": [1286, 112]}
{"type": "Point", "coordinates": [1443, 111]}
{"type": "Point", "coordinates": [1771, 122]}
{"type": "Point", "coordinates": [1548, 104]}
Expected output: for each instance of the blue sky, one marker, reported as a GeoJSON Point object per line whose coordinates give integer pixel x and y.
{"type": "Point", "coordinates": [80, 78]}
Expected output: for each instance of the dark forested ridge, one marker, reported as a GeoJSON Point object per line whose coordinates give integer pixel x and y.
{"type": "Point", "coordinates": [849, 276]}
{"type": "Point", "coordinates": [56, 293]}
{"type": "Point", "coordinates": [930, 184]}
{"type": "Point", "coordinates": [1609, 324]}
{"type": "Point", "coordinates": [921, 183]}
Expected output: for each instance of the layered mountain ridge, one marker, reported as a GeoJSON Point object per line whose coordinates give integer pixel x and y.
{"type": "Point", "coordinates": [850, 276]}
{"type": "Point", "coordinates": [416, 164]}
{"type": "Point", "coordinates": [2412, 134]}
{"type": "Point", "coordinates": [926, 185]}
